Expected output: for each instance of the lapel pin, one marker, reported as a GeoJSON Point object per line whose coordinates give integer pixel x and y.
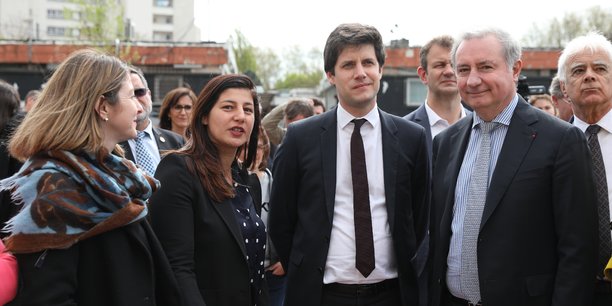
{"type": "Point", "coordinates": [162, 139]}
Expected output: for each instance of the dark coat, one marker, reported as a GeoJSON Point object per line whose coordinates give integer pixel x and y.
{"type": "Point", "coordinates": [122, 267]}
{"type": "Point", "coordinates": [202, 239]}
{"type": "Point", "coordinates": [538, 238]}
{"type": "Point", "coordinates": [302, 202]}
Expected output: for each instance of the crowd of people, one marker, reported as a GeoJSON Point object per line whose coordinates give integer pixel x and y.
{"type": "Point", "coordinates": [478, 197]}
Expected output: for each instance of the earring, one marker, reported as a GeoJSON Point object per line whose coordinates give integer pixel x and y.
{"type": "Point", "coordinates": [106, 119]}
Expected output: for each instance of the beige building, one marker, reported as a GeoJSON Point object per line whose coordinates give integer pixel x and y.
{"type": "Point", "coordinates": [153, 20]}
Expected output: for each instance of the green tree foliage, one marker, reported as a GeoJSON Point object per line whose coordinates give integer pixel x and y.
{"type": "Point", "coordinates": [99, 20]}
{"type": "Point", "coordinates": [302, 69]}
{"type": "Point", "coordinates": [268, 66]}
{"type": "Point", "coordinates": [244, 53]}
{"type": "Point", "coordinates": [557, 32]}
{"type": "Point", "coordinates": [299, 80]}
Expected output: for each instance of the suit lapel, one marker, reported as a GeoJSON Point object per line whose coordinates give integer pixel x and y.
{"type": "Point", "coordinates": [459, 139]}
{"type": "Point", "coordinates": [226, 212]}
{"type": "Point", "coordinates": [390, 148]}
{"type": "Point", "coordinates": [518, 140]}
{"type": "Point", "coordinates": [329, 128]}
{"type": "Point", "coordinates": [422, 119]}
{"type": "Point", "coordinates": [162, 142]}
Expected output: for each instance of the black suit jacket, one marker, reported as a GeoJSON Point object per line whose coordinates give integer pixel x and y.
{"type": "Point", "coordinates": [538, 238]}
{"type": "Point", "coordinates": [123, 267]}
{"type": "Point", "coordinates": [202, 239]}
{"type": "Point", "coordinates": [302, 201]}
{"type": "Point", "coordinates": [166, 140]}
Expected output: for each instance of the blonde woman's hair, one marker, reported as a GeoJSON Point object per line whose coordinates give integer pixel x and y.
{"type": "Point", "coordinates": [65, 116]}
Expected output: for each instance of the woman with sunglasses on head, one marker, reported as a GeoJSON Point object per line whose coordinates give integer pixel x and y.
{"type": "Point", "coordinates": [175, 111]}
{"type": "Point", "coordinates": [81, 237]}
{"type": "Point", "coordinates": [204, 213]}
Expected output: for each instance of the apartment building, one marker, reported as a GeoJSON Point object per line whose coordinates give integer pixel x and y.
{"type": "Point", "coordinates": [143, 20]}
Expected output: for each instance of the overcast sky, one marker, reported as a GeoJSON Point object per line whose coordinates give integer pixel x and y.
{"type": "Point", "coordinates": [279, 24]}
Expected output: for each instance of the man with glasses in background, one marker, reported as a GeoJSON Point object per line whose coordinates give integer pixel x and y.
{"type": "Point", "coordinates": [145, 150]}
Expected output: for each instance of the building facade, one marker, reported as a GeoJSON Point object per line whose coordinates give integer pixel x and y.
{"type": "Point", "coordinates": [153, 20]}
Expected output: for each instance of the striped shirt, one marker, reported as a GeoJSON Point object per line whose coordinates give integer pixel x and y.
{"type": "Point", "coordinates": [453, 276]}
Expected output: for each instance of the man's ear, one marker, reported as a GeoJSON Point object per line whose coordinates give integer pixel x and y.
{"type": "Point", "coordinates": [422, 74]}
{"type": "Point", "coordinates": [102, 108]}
{"type": "Point", "coordinates": [331, 77]}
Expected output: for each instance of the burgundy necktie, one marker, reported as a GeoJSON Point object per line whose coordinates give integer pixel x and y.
{"type": "Point", "coordinates": [364, 243]}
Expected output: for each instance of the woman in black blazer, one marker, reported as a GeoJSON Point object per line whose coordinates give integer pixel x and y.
{"type": "Point", "coordinates": [204, 214]}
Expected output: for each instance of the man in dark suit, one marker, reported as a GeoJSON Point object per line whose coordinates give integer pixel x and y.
{"type": "Point", "coordinates": [513, 206]}
{"type": "Point", "coordinates": [441, 109]}
{"type": "Point", "coordinates": [345, 223]}
{"type": "Point", "coordinates": [154, 140]}
{"type": "Point", "coordinates": [585, 75]}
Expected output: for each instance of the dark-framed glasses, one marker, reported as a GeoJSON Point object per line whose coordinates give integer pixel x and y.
{"type": "Point", "coordinates": [179, 108]}
{"type": "Point", "coordinates": [140, 92]}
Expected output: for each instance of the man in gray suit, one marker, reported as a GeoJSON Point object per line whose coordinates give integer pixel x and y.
{"type": "Point", "coordinates": [146, 151]}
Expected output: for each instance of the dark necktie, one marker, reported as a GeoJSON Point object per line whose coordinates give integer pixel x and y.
{"type": "Point", "coordinates": [364, 243]}
{"type": "Point", "coordinates": [143, 156]}
{"type": "Point", "coordinates": [603, 207]}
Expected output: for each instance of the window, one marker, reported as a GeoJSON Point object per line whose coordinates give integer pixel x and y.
{"type": "Point", "coordinates": [55, 14]}
{"type": "Point", "coordinates": [56, 31]}
{"type": "Point", "coordinates": [162, 36]}
{"type": "Point", "coordinates": [416, 92]}
{"type": "Point", "coordinates": [162, 19]}
{"type": "Point", "coordinates": [162, 3]}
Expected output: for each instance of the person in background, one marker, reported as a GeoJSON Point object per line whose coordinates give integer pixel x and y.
{"type": "Point", "coordinates": [175, 112]}
{"type": "Point", "coordinates": [204, 213]}
{"type": "Point", "coordinates": [285, 114]}
{"type": "Point", "coordinates": [10, 117]}
{"type": "Point", "coordinates": [441, 108]}
{"type": "Point", "coordinates": [564, 107]}
{"type": "Point", "coordinates": [513, 204]}
{"type": "Point", "coordinates": [545, 103]}
{"type": "Point", "coordinates": [81, 237]}
{"type": "Point", "coordinates": [8, 275]}
{"type": "Point", "coordinates": [318, 106]}
{"type": "Point", "coordinates": [585, 74]}
{"type": "Point", "coordinates": [260, 181]}
{"type": "Point", "coordinates": [151, 142]}
{"type": "Point", "coordinates": [350, 194]}
{"type": "Point", "coordinates": [30, 99]}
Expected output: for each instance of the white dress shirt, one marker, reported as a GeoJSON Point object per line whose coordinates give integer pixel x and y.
{"type": "Point", "coordinates": [340, 264]}
{"type": "Point", "coordinates": [438, 124]}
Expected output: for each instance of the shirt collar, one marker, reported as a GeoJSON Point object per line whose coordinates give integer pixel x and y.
{"type": "Point", "coordinates": [605, 122]}
{"type": "Point", "coordinates": [504, 117]}
{"type": "Point", "coordinates": [434, 118]}
{"type": "Point", "coordinates": [344, 117]}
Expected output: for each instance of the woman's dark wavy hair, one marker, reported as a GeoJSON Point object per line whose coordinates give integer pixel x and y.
{"type": "Point", "coordinates": [200, 147]}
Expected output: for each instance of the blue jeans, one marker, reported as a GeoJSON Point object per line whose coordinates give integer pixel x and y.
{"type": "Point", "coordinates": [276, 288]}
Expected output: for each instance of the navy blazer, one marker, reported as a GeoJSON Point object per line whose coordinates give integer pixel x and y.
{"type": "Point", "coordinates": [538, 237]}
{"type": "Point", "coordinates": [302, 200]}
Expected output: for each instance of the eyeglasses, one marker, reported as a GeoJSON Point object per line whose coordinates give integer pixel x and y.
{"type": "Point", "coordinates": [179, 108]}
{"type": "Point", "coordinates": [140, 92]}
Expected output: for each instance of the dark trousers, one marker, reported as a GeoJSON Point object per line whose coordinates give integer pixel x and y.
{"type": "Point", "coordinates": [276, 288]}
{"type": "Point", "coordinates": [384, 294]}
{"type": "Point", "coordinates": [603, 293]}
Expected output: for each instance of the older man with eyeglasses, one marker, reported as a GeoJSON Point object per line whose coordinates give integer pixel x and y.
{"type": "Point", "coordinates": [146, 149]}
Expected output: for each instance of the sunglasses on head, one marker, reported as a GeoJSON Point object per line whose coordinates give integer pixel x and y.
{"type": "Point", "coordinates": [140, 92]}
